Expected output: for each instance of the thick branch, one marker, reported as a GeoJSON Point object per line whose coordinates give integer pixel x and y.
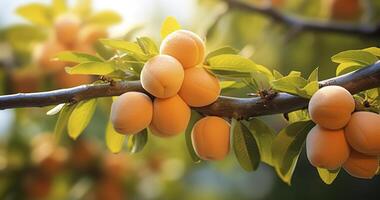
{"type": "Point", "coordinates": [307, 24]}
{"type": "Point", "coordinates": [363, 79]}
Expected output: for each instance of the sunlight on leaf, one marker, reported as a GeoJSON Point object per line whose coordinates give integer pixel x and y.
{"type": "Point", "coordinates": [38, 14]}
{"type": "Point", "coordinates": [114, 140]}
{"type": "Point", "coordinates": [92, 68]}
{"type": "Point", "coordinates": [80, 117]}
{"type": "Point", "coordinates": [168, 26]}
{"type": "Point", "coordinates": [55, 110]}
{"type": "Point", "coordinates": [105, 18]}
{"type": "Point", "coordinates": [328, 176]}
{"type": "Point", "coordinates": [358, 56]}
{"type": "Point", "coordinates": [61, 124]}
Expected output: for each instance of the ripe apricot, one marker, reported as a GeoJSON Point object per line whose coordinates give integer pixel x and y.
{"type": "Point", "coordinates": [131, 112]}
{"type": "Point", "coordinates": [67, 29]}
{"type": "Point", "coordinates": [170, 116]}
{"type": "Point", "coordinates": [199, 87]}
{"type": "Point", "coordinates": [331, 107]}
{"type": "Point", "coordinates": [346, 9]}
{"type": "Point", "coordinates": [186, 46]}
{"type": "Point", "coordinates": [90, 34]}
{"type": "Point", "coordinates": [45, 54]}
{"type": "Point", "coordinates": [360, 165]}
{"type": "Point", "coordinates": [363, 132]}
{"type": "Point", "coordinates": [326, 148]}
{"type": "Point", "coordinates": [211, 138]}
{"type": "Point", "coordinates": [25, 80]}
{"type": "Point", "coordinates": [162, 76]}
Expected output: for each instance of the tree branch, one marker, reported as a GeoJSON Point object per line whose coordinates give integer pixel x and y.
{"type": "Point", "coordinates": [307, 24]}
{"type": "Point", "coordinates": [363, 79]}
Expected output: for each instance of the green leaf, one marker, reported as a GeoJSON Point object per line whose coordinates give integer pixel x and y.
{"type": "Point", "coordinates": [245, 146]}
{"type": "Point", "coordinates": [148, 46]}
{"type": "Point", "coordinates": [105, 52]}
{"type": "Point", "coordinates": [226, 84]}
{"type": "Point", "coordinates": [358, 56]}
{"type": "Point", "coordinates": [105, 18]}
{"type": "Point", "coordinates": [61, 124]}
{"type": "Point", "coordinates": [221, 51]}
{"type": "Point", "coordinates": [289, 84]}
{"type": "Point", "coordinates": [83, 8]}
{"type": "Point", "coordinates": [236, 63]}
{"type": "Point", "coordinates": [264, 136]}
{"type": "Point", "coordinates": [195, 116]}
{"type": "Point", "coordinates": [55, 110]}
{"type": "Point", "coordinates": [168, 26]}
{"type": "Point", "coordinates": [373, 50]}
{"type": "Point", "coordinates": [347, 67]}
{"type": "Point", "coordinates": [38, 14]}
{"type": "Point", "coordinates": [80, 117]}
{"type": "Point", "coordinates": [328, 176]}
{"type": "Point", "coordinates": [137, 142]}
{"type": "Point", "coordinates": [277, 74]}
{"type": "Point", "coordinates": [125, 46]}
{"type": "Point", "coordinates": [114, 140]}
{"type": "Point", "coordinates": [287, 147]}
{"type": "Point", "coordinates": [313, 76]}
{"type": "Point", "coordinates": [59, 7]}
{"type": "Point", "coordinates": [260, 81]}
{"type": "Point", "coordinates": [310, 89]}
{"type": "Point", "coordinates": [76, 57]}
{"type": "Point", "coordinates": [299, 115]}
{"type": "Point", "coordinates": [92, 68]}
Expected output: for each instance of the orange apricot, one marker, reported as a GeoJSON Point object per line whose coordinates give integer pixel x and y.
{"type": "Point", "coordinates": [170, 116]}
{"type": "Point", "coordinates": [45, 54]}
{"type": "Point", "coordinates": [346, 9]}
{"type": "Point", "coordinates": [186, 46]}
{"type": "Point", "coordinates": [90, 34]}
{"type": "Point", "coordinates": [326, 148]}
{"type": "Point", "coordinates": [131, 112]}
{"type": "Point", "coordinates": [211, 138]}
{"type": "Point", "coordinates": [361, 165]}
{"type": "Point", "coordinates": [199, 87]}
{"type": "Point", "coordinates": [162, 76]}
{"type": "Point", "coordinates": [67, 29]}
{"type": "Point", "coordinates": [363, 132]}
{"type": "Point", "coordinates": [331, 107]}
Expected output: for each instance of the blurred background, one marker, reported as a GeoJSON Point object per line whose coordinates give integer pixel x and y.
{"type": "Point", "coordinates": [32, 167]}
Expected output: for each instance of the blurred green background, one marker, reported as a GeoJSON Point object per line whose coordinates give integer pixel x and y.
{"type": "Point", "coordinates": [30, 168]}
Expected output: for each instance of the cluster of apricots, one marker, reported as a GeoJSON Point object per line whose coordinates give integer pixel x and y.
{"type": "Point", "coordinates": [178, 81]}
{"type": "Point", "coordinates": [342, 137]}
{"type": "Point", "coordinates": [70, 34]}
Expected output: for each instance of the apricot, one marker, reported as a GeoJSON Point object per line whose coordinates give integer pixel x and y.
{"type": "Point", "coordinates": [131, 112]}
{"type": "Point", "coordinates": [170, 116]}
{"type": "Point", "coordinates": [45, 54]}
{"type": "Point", "coordinates": [199, 87]}
{"type": "Point", "coordinates": [90, 34]}
{"type": "Point", "coordinates": [331, 107]}
{"type": "Point", "coordinates": [67, 29]}
{"type": "Point", "coordinates": [162, 76]}
{"type": "Point", "coordinates": [25, 80]}
{"type": "Point", "coordinates": [327, 148]}
{"type": "Point", "coordinates": [363, 132]}
{"type": "Point", "coordinates": [361, 165]}
{"type": "Point", "coordinates": [211, 138]}
{"type": "Point", "coordinates": [186, 46]}
{"type": "Point", "coordinates": [346, 9]}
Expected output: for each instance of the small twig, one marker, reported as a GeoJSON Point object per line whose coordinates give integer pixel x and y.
{"type": "Point", "coordinates": [307, 24]}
